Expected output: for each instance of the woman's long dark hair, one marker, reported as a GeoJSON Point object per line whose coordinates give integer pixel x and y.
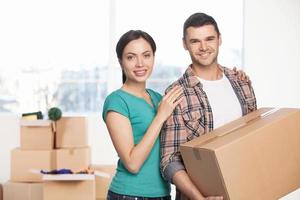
{"type": "Point", "coordinates": [128, 37]}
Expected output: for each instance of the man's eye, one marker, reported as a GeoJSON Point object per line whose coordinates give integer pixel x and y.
{"type": "Point", "coordinates": [194, 41]}
{"type": "Point", "coordinates": [210, 39]}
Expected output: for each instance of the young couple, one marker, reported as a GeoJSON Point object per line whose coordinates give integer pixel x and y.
{"type": "Point", "coordinates": [147, 129]}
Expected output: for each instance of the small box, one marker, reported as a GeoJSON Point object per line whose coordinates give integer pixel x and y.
{"type": "Point", "coordinates": [36, 135]}
{"type": "Point", "coordinates": [24, 161]}
{"type": "Point", "coordinates": [103, 178]}
{"type": "Point", "coordinates": [71, 132]}
{"type": "Point", "coordinates": [254, 157]}
{"type": "Point", "coordinates": [75, 159]}
{"type": "Point", "coordinates": [68, 188]}
{"type": "Point", "coordinates": [22, 191]}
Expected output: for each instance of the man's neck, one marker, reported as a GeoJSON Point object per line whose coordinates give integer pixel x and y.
{"type": "Point", "coordinates": [211, 73]}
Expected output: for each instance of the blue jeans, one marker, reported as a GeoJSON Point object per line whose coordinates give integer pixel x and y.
{"type": "Point", "coordinates": [114, 196]}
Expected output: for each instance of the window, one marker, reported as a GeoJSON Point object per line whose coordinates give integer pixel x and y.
{"type": "Point", "coordinates": [62, 53]}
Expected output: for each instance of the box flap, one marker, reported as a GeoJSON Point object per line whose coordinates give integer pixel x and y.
{"type": "Point", "coordinates": [230, 127]}
{"type": "Point", "coordinates": [68, 177]}
{"type": "Point", "coordinates": [35, 122]}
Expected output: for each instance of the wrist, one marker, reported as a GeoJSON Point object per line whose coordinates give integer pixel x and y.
{"type": "Point", "coordinates": [160, 118]}
{"type": "Point", "coordinates": [199, 197]}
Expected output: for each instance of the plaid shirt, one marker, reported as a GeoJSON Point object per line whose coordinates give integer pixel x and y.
{"type": "Point", "coordinates": [193, 117]}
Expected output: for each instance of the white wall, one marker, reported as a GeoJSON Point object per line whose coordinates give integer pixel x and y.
{"type": "Point", "coordinates": [272, 51]}
{"type": "Point", "coordinates": [103, 151]}
{"type": "Point", "coordinates": [9, 139]}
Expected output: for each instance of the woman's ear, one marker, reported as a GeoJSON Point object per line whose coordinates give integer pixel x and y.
{"type": "Point", "coordinates": [120, 62]}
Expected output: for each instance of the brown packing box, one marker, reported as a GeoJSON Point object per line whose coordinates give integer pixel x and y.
{"type": "Point", "coordinates": [74, 159]}
{"type": "Point", "coordinates": [71, 132]}
{"type": "Point", "coordinates": [69, 190]}
{"type": "Point", "coordinates": [36, 135]}
{"type": "Point", "coordinates": [104, 175]}
{"type": "Point", "coordinates": [255, 157]}
{"type": "Point", "coordinates": [22, 191]}
{"type": "Point", "coordinates": [23, 161]}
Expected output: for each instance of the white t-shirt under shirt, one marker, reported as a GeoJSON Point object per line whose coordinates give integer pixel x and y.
{"type": "Point", "coordinates": [223, 100]}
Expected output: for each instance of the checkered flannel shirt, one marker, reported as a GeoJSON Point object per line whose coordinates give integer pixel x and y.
{"type": "Point", "coordinates": [193, 117]}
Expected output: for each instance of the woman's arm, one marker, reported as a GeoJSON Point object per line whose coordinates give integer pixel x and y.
{"type": "Point", "coordinates": [120, 130]}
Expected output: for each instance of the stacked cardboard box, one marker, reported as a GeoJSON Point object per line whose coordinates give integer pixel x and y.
{"type": "Point", "coordinates": [254, 157]}
{"type": "Point", "coordinates": [24, 191]}
{"type": "Point", "coordinates": [69, 187]}
{"type": "Point", "coordinates": [71, 132]}
{"type": "Point", "coordinates": [47, 145]}
{"type": "Point", "coordinates": [104, 174]}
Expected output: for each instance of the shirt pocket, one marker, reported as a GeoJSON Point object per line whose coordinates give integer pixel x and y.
{"type": "Point", "coordinates": [194, 123]}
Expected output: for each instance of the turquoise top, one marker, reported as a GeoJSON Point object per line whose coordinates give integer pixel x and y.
{"type": "Point", "coordinates": [148, 181]}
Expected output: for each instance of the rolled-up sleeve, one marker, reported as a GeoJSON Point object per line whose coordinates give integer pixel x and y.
{"type": "Point", "coordinates": [172, 135]}
{"type": "Point", "coordinates": [171, 169]}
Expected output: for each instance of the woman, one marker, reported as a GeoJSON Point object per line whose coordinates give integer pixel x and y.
{"type": "Point", "coordinates": [134, 116]}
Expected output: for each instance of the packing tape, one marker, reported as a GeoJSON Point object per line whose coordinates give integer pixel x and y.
{"type": "Point", "coordinates": [252, 117]}
{"type": "Point", "coordinates": [54, 160]}
{"type": "Point", "coordinates": [248, 121]}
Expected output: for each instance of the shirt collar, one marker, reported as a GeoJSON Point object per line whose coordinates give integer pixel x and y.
{"type": "Point", "coordinates": [191, 78]}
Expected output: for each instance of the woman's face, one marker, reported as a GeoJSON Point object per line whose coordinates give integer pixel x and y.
{"type": "Point", "coordinates": [137, 60]}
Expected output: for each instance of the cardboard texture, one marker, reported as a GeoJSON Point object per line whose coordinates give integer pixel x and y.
{"type": "Point", "coordinates": [75, 159]}
{"type": "Point", "coordinates": [254, 157]}
{"type": "Point", "coordinates": [24, 161]}
{"type": "Point", "coordinates": [71, 132]}
{"type": "Point", "coordinates": [104, 175]}
{"type": "Point", "coordinates": [69, 190]}
{"type": "Point", "coordinates": [22, 191]}
{"type": "Point", "coordinates": [36, 135]}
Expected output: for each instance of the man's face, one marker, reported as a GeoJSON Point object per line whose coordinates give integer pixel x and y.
{"type": "Point", "coordinates": [203, 45]}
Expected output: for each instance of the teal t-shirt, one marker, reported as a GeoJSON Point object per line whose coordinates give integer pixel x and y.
{"type": "Point", "coordinates": [148, 181]}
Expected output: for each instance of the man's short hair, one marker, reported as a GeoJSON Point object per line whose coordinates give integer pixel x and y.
{"type": "Point", "coordinates": [198, 20]}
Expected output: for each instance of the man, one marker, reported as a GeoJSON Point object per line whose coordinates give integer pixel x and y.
{"type": "Point", "coordinates": [213, 95]}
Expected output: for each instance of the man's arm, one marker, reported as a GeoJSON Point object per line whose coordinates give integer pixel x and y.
{"type": "Point", "coordinates": [186, 186]}
{"type": "Point", "coordinates": [172, 135]}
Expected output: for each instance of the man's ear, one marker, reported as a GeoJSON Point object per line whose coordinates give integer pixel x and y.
{"type": "Point", "coordinates": [220, 40]}
{"type": "Point", "coordinates": [184, 44]}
